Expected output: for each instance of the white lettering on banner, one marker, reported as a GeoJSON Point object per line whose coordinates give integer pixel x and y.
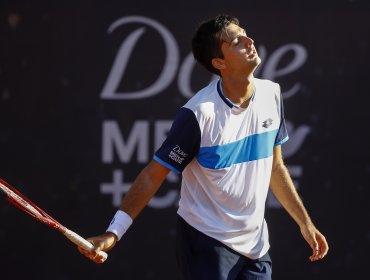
{"type": "Point", "coordinates": [138, 138]}
{"type": "Point", "coordinates": [271, 71]}
{"type": "Point", "coordinates": [118, 188]}
{"type": "Point", "coordinates": [184, 78]}
{"type": "Point", "coordinates": [113, 141]}
{"type": "Point", "coordinates": [123, 57]}
{"type": "Point", "coordinates": [269, 66]}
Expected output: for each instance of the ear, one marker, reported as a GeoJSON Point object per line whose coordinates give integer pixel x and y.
{"type": "Point", "coordinates": [218, 63]}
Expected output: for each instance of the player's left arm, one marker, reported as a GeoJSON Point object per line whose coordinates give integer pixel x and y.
{"type": "Point", "coordinates": [283, 188]}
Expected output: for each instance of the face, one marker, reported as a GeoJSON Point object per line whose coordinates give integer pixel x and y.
{"type": "Point", "coordinates": [239, 52]}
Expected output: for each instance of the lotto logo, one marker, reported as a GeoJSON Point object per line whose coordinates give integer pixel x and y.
{"type": "Point", "coordinates": [267, 123]}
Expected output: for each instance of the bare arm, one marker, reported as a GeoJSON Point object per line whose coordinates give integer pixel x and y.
{"type": "Point", "coordinates": [283, 188]}
{"type": "Point", "coordinates": [142, 190]}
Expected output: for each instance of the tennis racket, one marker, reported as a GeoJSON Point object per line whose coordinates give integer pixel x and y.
{"type": "Point", "coordinates": [19, 200]}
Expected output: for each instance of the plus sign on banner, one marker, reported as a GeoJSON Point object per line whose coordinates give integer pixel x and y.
{"type": "Point", "coordinates": [117, 188]}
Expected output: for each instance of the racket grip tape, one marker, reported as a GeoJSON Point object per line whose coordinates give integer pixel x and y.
{"type": "Point", "coordinates": [82, 242]}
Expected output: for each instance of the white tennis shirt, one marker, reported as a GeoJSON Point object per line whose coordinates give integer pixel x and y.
{"type": "Point", "coordinates": [225, 154]}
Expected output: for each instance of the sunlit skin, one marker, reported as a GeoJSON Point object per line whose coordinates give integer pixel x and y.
{"type": "Point", "coordinates": [283, 188]}
{"type": "Point", "coordinates": [240, 59]}
{"type": "Point", "coordinates": [240, 55]}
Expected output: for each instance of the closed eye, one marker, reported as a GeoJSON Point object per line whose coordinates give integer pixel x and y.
{"type": "Point", "coordinates": [236, 41]}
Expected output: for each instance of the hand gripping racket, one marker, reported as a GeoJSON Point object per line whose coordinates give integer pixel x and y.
{"type": "Point", "coordinates": [23, 203]}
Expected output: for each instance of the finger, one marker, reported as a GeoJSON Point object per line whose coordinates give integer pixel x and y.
{"type": "Point", "coordinates": [88, 255]}
{"type": "Point", "coordinates": [91, 254]}
{"type": "Point", "coordinates": [324, 247]}
{"type": "Point", "coordinates": [99, 259]}
{"type": "Point", "coordinates": [315, 248]}
{"type": "Point", "coordinates": [96, 249]}
{"type": "Point", "coordinates": [83, 251]}
{"type": "Point", "coordinates": [315, 256]}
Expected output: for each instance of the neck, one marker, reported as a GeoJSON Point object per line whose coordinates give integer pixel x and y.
{"type": "Point", "coordinates": [239, 91]}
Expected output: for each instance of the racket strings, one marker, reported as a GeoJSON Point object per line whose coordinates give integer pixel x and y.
{"type": "Point", "coordinates": [25, 204]}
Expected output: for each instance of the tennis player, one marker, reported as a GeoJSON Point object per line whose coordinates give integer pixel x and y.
{"type": "Point", "coordinates": [226, 141]}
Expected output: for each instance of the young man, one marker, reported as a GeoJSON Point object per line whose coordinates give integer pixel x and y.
{"type": "Point", "coordinates": [226, 143]}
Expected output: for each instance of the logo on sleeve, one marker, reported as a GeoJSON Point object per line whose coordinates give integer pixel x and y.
{"type": "Point", "coordinates": [177, 154]}
{"type": "Point", "coordinates": [267, 123]}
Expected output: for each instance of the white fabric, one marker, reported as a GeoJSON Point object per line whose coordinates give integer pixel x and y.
{"type": "Point", "coordinates": [120, 223]}
{"type": "Point", "coordinates": [228, 202]}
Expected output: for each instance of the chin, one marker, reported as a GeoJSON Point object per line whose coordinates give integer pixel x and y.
{"type": "Point", "coordinates": [255, 65]}
{"type": "Point", "coordinates": [258, 60]}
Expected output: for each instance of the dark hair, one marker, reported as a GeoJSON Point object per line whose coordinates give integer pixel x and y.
{"type": "Point", "coordinates": [206, 43]}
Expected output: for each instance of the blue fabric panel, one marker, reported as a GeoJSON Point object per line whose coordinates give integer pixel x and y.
{"type": "Point", "coordinates": [251, 148]}
{"type": "Point", "coordinates": [282, 135]}
{"type": "Point", "coordinates": [182, 142]}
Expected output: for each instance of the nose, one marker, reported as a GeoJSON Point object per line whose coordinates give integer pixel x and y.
{"type": "Point", "coordinates": [248, 41]}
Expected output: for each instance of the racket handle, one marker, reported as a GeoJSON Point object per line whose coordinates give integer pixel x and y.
{"type": "Point", "coordinates": [82, 242]}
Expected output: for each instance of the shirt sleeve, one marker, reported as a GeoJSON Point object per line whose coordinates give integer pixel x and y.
{"type": "Point", "coordinates": [282, 135]}
{"type": "Point", "coordinates": [182, 142]}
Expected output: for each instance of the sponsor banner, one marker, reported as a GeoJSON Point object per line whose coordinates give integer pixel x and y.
{"type": "Point", "coordinates": [88, 93]}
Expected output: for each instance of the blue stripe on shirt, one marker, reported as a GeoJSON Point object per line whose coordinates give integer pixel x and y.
{"type": "Point", "coordinates": [251, 148]}
{"type": "Point", "coordinates": [282, 141]}
{"type": "Point", "coordinates": [165, 164]}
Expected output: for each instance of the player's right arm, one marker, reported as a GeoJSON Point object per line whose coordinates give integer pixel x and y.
{"type": "Point", "coordinates": [144, 187]}
{"type": "Point", "coordinates": [142, 190]}
{"type": "Point", "coordinates": [183, 136]}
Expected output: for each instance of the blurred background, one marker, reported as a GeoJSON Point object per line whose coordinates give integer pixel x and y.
{"type": "Point", "coordinates": [89, 89]}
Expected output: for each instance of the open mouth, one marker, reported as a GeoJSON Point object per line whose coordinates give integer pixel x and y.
{"type": "Point", "coordinates": [252, 53]}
